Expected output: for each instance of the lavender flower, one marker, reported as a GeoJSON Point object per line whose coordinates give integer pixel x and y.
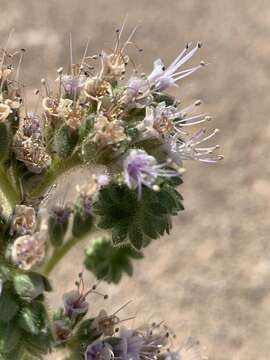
{"type": "Point", "coordinates": [130, 345]}
{"type": "Point", "coordinates": [99, 350]}
{"type": "Point", "coordinates": [75, 304]}
{"type": "Point", "coordinates": [140, 344]}
{"type": "Point", "coordinates": [142, 169]}
{"type": "Point", "coordinates": [61, 330]}
{"type": "Point", "coordinates": [103, 180]}
{"type": "Point", "coordinates": [166, 121]}
{"type": "Point", "coordinates": [73, 84]}
{"type": "Point", "coordinates": [161, 77]}
{"type": "Point", "coordinates": [60, 214]}
{"type": "Point", "coordinates": [139, 89]}
{"type": "Point", "coordinates": [190, 350]}
{"type": "Point", "coordinates": [190, 149]}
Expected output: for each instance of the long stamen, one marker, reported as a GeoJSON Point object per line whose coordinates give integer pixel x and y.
{"type": "Point", "coordinates": [176, 64]}
{"type": "Point", "coordinates": [129, 38]}
{"type": "Point", "coordinates": [122, 307]}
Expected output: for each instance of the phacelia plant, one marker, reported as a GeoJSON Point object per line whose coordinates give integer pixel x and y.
{"type": "Point", "coordinates": [100, 113]}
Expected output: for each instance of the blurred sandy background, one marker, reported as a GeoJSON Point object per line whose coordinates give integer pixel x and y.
{"type": "Point", "coordinates": [211, 277]}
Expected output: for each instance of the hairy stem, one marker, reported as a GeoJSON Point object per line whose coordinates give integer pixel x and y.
{"type": "Point", "coordinates": [58, 168]}
{"type": "Point", "coordinates": [7, 189]}
{"type": "Point", "coordinates": [61, 251]}
{"type": "Point", "coordinates": [58, 254]}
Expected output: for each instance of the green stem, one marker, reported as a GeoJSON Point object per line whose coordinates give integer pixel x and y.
{"type": "Point", "coordinates": [10, 194]}
{"type": "Point", "coordinates": [58, 254]}
{"type": "Point", "coordinates": [58, 168]}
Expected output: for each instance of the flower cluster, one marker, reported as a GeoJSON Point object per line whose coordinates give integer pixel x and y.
{"type": "Point", "coordinates": [108, 337]}
{"type": "Point", "coordinates": [100, 113]}
{"type": "Point", "coordinates": [96, 108]}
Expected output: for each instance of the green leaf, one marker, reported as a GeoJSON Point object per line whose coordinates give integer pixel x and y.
{"type": "Point", "coordinates": [32, 318]}
{"type": "Point", "coordinates": [38, 344]}
{"type": "Point", "coordinates": [15, 354]}
{"type": "Point", "coordinates": [10, 337]}
{"type": "Point", "coordinates": [86, 126]}
{"type": "Point", "coordinates": [136, 235]}
{"type": "Point", "coordinates": [109, 262]}
{"type": "Point", "coordinates": [8, 306]}
{"type": "Point", "coordinates": [29, 286]}
{"type": "Point", "coordinates": [137, 220]}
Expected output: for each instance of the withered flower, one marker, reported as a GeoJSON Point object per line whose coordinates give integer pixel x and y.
{"type": "Point", "coordinates": [29, 250]}
{"type": "Point", "coordinates": [51, 106]}
{"type": "Point", "coordinates": [113, 65]}
{"type": "Point", "coordinates": [24, 220]}
{"type": "Point", "coordinates": [75, 116]}
{"type": "Point", "coordinates": [31, 152]}
{"type": "Point", "coordinates": [108, 132]}
{"type": "Point", "coordinates": [96, 88]}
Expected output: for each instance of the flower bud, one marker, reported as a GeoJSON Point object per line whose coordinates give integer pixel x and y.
{"type": "Point", "coordinates": [83, 217]}
{"type": "Point", "coordinates": [4, 140]}
{"type": "Point", "coordinates": [64, 141]}
{"type": "Point", "coordinates": [58, 224]}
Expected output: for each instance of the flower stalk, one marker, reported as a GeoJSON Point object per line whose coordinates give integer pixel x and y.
{"type": "Point", "coordinates": [58, 168]}
{"type": "Point", "coordinates": [58, 254]}
{"type": "Point", "coordinates": [10, 194]}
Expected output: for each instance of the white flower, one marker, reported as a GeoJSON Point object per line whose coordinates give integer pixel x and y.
{"type": "Point", "coordinates": [72, 84]}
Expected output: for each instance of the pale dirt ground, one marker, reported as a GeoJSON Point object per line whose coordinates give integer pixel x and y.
{"type": "Point", "coordinates": [211, 276]}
